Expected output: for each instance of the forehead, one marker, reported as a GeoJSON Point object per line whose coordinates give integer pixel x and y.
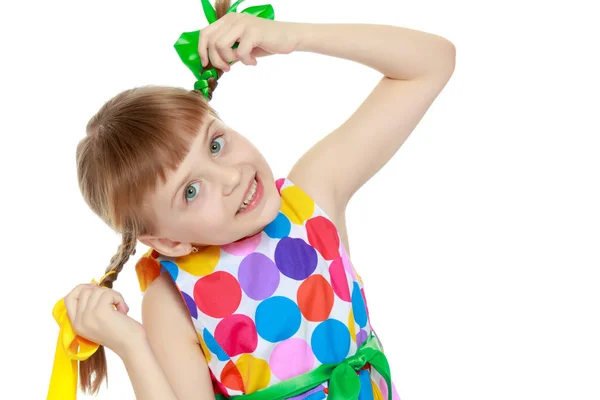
{"type": "Point", "coordinates": [187, 153]}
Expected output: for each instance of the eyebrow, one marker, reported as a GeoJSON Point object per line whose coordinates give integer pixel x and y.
{"type": "Point", "coordinates": [183, 181]}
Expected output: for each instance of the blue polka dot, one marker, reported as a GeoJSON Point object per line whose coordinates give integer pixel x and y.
{"type": "Point", "coordinates": [316, 396]}
{"type": "Point", "coordinates": [330, 341]}
{"type": "Point", "coordinates": [191, 305]}
{"type": "Point", "coordinates": [277, 319]}
{"type": "Point", "coordinates": [279, 228]}
{"type": "Point", "coordinates": [214, 347]}
{"type": "Point", "coordinates": [170, 267]}
{"type": "Point", "coordinates": [358, 306]}
{"type": "Point", "coordinates": [366, 390]}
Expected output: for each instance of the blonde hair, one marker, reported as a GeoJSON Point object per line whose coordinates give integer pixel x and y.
{"type": "Point", "coordinates": [132, 141]}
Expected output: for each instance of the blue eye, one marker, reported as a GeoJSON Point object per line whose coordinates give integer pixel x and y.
{"type": "Point", "coordinates": [217, 145]}
{"type": "Point", "coordinates": [192, 191]}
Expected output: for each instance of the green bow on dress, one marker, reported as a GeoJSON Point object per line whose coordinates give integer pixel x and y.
{"type": "Point", "coordinates": [187, 44]}
{"type": "Point", "coordinates": [344, 383]}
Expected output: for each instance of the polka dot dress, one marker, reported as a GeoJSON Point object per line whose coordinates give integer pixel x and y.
{"type": "Point", "coordinates": [275, 305]}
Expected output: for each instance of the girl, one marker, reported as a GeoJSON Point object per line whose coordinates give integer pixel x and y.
{"type": "Point", "coordinates": [248, 286]}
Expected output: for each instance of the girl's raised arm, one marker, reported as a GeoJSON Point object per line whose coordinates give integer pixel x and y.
{"type": "Point", "coordinates": [416, 67]}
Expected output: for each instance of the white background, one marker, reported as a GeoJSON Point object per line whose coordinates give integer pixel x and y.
{"type": "Point", "coordinates": [478, 243]}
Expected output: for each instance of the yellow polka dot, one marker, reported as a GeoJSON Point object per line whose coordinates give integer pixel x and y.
{"type": "Point", "coordinates": [201, 263]}
{"type": "Point", "coordinates": [376, 392]}
{"type": "Point", "coordinates": [296, 205]}
{"type": "Point", "coordinates": [255, 372]}
{"type": "Point", "coordinates": [351, 326]}
{"type": "Point", "coordinates": [205, 350]}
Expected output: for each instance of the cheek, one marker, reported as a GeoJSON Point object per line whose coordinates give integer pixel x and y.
{"type": "Point", "coordinates": [210, 224]}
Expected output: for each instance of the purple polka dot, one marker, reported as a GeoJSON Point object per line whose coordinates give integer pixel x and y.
{"type": "Point", "coordinates": [295, 258]}
{"type": "Point", "coordinates": [191, 304]}
{"type": "Point", "coordinates": [361, 337]}
{"type": "Point", "coordinates": [258, 276]}
{"type": "Point", "coordinates": [304, 395]}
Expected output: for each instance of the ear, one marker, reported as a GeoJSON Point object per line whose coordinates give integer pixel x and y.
{"type": "Point", "coordinates": [165, 246]}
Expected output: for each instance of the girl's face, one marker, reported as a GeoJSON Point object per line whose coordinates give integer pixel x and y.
{"type": "Point", "coordinates": [223, 191]}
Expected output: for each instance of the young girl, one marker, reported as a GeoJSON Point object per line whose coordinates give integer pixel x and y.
{"type": "Point", "coordinates": [248, 286]}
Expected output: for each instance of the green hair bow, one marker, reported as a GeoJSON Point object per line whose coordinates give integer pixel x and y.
{"type": "Point", "coordinates": [187, 44]}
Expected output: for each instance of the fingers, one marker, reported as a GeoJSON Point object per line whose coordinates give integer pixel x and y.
{"type": "Point", "coordinates": [244, 50]}
{"type": "Point", "coordinates": [115, 298]}
{"type": "Point", "coordinates": [72, 299]}
{"type": "Point", "coordinates": [216, 42]}
{"type": "Point", "coordinates": [87, 298]}
{"type": "Point", "coordinates": [82, 301]}
{"type": "Point", "coordinates": [224, 43]}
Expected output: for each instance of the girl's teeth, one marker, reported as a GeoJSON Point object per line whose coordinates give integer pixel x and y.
{"type": "Point", "coordinates": [250, 196]}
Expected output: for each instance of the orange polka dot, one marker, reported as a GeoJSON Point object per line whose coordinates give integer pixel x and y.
{"type": "Point", "coordinates": [315, 298]}
{"type": "Point", "coordinates": [147, 270]}
{"type": "Point", "coordinates": [231, 378]}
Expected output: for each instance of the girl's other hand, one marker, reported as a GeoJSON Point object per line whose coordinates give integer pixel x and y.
{"type": "Point", "coordinates": [99, 315]}
{"type": "Point", "coordinates": [257, 37]}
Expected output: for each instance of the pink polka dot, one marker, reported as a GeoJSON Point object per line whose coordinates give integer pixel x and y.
{"type": "Point", "coordinates": [383, 387]}
{"type": "Point", "coordinates": [347, 265]}
{"type": "Point", "coordinates": [237, 335]}
{"type": "Point", "coordinates": [395, 395]}
{"type": "Point", "coordinates": [243, 247]}
{"type": "Point", "coordinates": [339, 282]}
{"type": "Point", "coordinates": [278, 184]}
{"type": "Point", "coordinates": [291, 358]}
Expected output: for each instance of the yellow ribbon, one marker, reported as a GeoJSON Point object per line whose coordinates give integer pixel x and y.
{"type": "Point", "coordinates": [70, 349]}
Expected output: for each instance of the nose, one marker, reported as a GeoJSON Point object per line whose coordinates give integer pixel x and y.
{"type": "Point", "coordinates": [229, 177]}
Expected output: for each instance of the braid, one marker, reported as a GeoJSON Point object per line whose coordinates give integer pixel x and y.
{"type": "Point", "coordinates": [95, 366]}
{"type": "Point", "coordinates": [126, 250]}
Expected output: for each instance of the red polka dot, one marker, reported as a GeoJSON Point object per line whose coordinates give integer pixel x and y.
{"type": "Point", "coordinates": [237, 335]}
{"type": "Point", "coordinates": [323, 236]}
{"type": "Point", "coordinates": [279, 184]}
{"type": "Point", "coordinates": [217, 295]}
{"type": "Point", "coordinates": [231, 377]}
{"type": "Point", "coordinates": [315, 298]}
{"type": "Point", "coordinates": [339, 282]}
{"type": "Point", "coordinates": [218, 387]}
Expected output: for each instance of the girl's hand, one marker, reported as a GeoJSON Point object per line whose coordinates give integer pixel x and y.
{"type": "Point", "coordinates": [91, 310]}
{"type": "Point", "coordinates": [257, 37]}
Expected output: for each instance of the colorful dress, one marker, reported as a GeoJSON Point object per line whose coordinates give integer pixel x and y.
{"type": "Point", "coordinates": [275, 305]}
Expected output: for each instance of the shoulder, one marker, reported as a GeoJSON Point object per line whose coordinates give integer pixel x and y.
{"type": "Point", "coordinates": [162, 304]}
{"type": "Point", "coordinates": [173, 339]}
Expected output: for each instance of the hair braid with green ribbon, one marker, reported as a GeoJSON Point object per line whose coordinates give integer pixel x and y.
{"type": "Point", "coordinates": [187, 46]}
